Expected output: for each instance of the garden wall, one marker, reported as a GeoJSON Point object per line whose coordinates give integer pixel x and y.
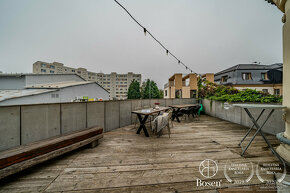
{"type": "Point", "coordinates": [238, 115]}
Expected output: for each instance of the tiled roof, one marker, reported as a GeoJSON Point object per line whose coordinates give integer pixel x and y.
{"type": "Point", "coordinates": [33, 74]}
{"type": "Point", "coordinates": [251, 67]}
{"type": "Point", "coordinates": [59, 84]}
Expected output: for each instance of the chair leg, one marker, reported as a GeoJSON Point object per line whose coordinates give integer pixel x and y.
{"type": "Point", "coordinates": [168, 130]}
{"type": "Point", "coordinates": [135, 122]}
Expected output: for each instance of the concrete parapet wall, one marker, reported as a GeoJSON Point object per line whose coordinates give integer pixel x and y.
{"type": "Point", "coordinates": [39, 122]}
{"type": "Point", "coordinates": [96, 114]}
{"type": "Point", "coordinates": [9, 127]}
{"type": "Point", "coordinates": [24, 124]}
{"type": "Point", "coordinates": [73, 117]}
{"type": "Point", "coordinates": [125, 113]}
{"type": "Point", "coordinates": [238, 115]}
{"type": "Point", "coordinates": [112, 115]}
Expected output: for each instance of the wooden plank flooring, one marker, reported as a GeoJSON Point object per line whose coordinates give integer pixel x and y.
{"type": "Point", "coordinates": [127, 162]}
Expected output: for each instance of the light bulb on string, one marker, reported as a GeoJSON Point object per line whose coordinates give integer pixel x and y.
{"type": "Point", "coordinates": [151, 35]}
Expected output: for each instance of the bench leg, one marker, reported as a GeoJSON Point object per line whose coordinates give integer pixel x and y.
{"type": "Point", "coordinates": [94, 144]}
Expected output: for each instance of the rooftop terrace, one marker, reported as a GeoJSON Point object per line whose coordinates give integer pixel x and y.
{"type": "Point", "coordinates": [127, 162]}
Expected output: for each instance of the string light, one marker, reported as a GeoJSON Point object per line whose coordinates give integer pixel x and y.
{"type": "Point", "coordinates": [146, 31]}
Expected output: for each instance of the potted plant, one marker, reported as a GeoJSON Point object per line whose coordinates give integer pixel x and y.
{"type": "Point", "coordinates": [156, 105]}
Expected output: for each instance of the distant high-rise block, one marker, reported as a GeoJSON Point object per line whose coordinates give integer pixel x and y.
{"type": "Point", "coordinates": [116, 84]}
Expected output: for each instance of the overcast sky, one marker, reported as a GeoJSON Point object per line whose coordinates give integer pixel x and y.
{"type": "Point", "coordinates": [207, 35]}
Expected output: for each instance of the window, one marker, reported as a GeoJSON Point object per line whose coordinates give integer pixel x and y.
{"type": "Point", "coordinates": [43, 65]}
{"type": "Point", "coordinates": [264, 76]}
{"type": "Point", "coordinates": [51, 71]}
{"type": "Point", "coordinates": [247, 76]}
{"type": "Point", "coordinates": [51, 66]}
{"type": "Point", "coordinates": [193, 93]}
{"type": "Point", "coordinates": [54, 95]}
{"type": "Point", "coordinates": [224, 78]}
{"type": "Point", "coordinates": [277, 92]}
{"type": "Point", "coordinates": [165, 92]}
{"type": "Point", "coordinates": [73, 70]}
{"type": "Point", "coordinates": [43, 70]}
{"type": "Point", "coordinates": [265, 90]}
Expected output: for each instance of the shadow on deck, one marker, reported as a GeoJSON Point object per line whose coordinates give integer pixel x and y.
{"type": "Point", "coordinates": [127, 162]}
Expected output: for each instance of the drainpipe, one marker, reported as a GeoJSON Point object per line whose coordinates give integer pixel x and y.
{"type": "Point", "coordinates": [284, 149]}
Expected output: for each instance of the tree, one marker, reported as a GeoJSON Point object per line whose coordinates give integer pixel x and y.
{"type": "Point", "coordinates": [149, 90]}
{"type": "Point", "coordinates": [161, 93]}
{"type": "Point", "coordinates": [134, 90]}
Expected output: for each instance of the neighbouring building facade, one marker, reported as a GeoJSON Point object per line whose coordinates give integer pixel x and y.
{"type": "Point", "coordinates": [266, 78]}
{"type": "Point", "coordinates": [18, 89]}
{"type": "Point", "coordinates": [116, 84]}
{"type": "Point", "coordinates": [184, 86]}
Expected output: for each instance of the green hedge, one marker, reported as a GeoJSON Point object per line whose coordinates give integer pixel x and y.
{"type": "Point", "coordinates": [213, 91]}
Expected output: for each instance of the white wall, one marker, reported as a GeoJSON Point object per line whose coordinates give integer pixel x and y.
{"type": "Point", "coordinates": [67, 94]}
{"type": "Point", "coordinates": [270, 89]}
{"type": "Point", "coordinates": [33, 79]}
{"type": "Point", "coordinates": [12, 82]}
{"type": "Point", "coordinates": [166, 96]}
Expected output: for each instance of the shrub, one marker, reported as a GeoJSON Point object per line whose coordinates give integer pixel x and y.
{"type": "Point", "coordinates": [213, 91]}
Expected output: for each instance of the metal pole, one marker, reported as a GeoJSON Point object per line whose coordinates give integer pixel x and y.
{"type": "Point", "coordinates": [149, 89]}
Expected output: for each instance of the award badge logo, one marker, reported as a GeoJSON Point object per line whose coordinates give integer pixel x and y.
{"type": "Point", "coordinates": [208, 169]}
{"type": "Point", "coordinates": [265, 171]}
{"type": "Point", "coordinates": [239, 173]}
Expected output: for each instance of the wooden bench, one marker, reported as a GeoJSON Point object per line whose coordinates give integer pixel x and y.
{"type": "Point", "coordinates": [25, 156]}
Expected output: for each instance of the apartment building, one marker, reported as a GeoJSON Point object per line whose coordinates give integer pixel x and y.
{"type": "Point", "coordinates": [116, 84]}
{"type": "Point", "coordinates": [184, 86]}
{"type": "Point", "coordinates": [266, 78]}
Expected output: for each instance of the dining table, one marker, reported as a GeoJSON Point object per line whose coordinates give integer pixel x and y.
{"type": "Point", "coordinates": [143, 115]}
{"type": "Point", "coordinates": [178, 108]}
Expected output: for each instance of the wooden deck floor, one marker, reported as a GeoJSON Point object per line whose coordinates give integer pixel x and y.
{"type": "Point", "coordinates": [127, 162]}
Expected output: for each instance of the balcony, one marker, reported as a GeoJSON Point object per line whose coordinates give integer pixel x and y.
{"type": "Point", "coordinates": [127, 162]}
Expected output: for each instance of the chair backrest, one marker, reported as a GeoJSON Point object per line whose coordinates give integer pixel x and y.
{"type": "Point", "coordinates": [196, 108]}
{"type": "Point", "coordinates": [169, 114]}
